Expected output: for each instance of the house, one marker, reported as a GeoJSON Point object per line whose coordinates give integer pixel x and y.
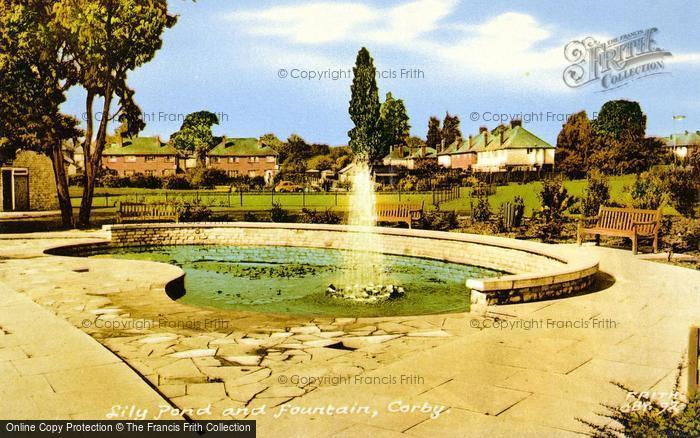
{"type": "Point", "coordinates": [683, 145]}
{"type": "Point", "coordinates": [504, 148]}
{"type": "Point", "coordinates": [406, 157]}
{"type": "Point", "coordinates": [145, 155]}
{"type": "Point", "coordinates": [243, 157]}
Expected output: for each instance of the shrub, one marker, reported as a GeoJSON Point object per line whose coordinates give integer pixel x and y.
{"type": "Point", "coordinates": [440, 220]}
{"type": "Point", "coordinates": [249, 216]}
{"type": "Point", "coordinates": [646, 416]}
{"type": "Point", "coordinates": [194, 212]}
{"type": "Point", "coordinates": [142, 181]}
{"type": "Point", "coordinates": [207, 178]}
{"type": "Point", "coordinates": [647, 191]}
{"type": "Point", "coordinates": [327, 216]}
{"type": "Point", "coordinates": [682, 189]}
{"type": "Point", "coordinates": [681, 234]}
{"type": "Point", "coordinates": [279, 214]}
{"type": "Point", "coordinates": [555, 200]}
{"type": "Point", "coordinates": [481, 212]}
{"type": "Point", "coordinates": [597, 193]}
{"type": "Point", "coordinates": [176, 182]}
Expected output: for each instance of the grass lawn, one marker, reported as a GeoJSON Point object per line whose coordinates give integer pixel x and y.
{"type": "Point", "coordinates": [221, 200]}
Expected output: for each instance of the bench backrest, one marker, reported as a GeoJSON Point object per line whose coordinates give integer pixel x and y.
{"type": "Point", "coordinates": [156, 210]}
{"type": "Point", "coordinates": [398, 210]}
{"type": "Point", "coordinates": [614, 218]}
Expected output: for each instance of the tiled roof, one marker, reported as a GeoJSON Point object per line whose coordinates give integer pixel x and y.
{"type": "Point", "coordinates": [241, 147]}
{"type": "Point", "coordinates": [515, 137]}
{"type": "Point", "coordinates": [139, 146]}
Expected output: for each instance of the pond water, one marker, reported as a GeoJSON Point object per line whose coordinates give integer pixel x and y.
{"type": "Point", "coordinates": [294, 280]}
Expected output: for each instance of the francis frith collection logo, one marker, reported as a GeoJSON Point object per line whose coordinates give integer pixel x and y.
{"type": "Point", "coordinates": [616, 62]}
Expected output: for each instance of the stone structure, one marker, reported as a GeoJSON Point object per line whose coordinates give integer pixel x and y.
{"type": "Point", "coordinates": [534, 272]}
{"type": "Point", "coordinates": [40, 185]}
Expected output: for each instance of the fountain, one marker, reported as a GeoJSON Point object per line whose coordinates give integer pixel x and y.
{"type": "Point", "coordinates": [364, 276]}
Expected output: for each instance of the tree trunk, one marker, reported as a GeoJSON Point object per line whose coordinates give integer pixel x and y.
{"type": "Point", "coordinates": [94, 161]}
{"type": "Point", "coordinates": [59, 171]}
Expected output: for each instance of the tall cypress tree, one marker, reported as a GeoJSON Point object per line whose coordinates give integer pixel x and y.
{"type": "Point", "coordinates": [450, 129]}
{"type": "Point", "coordinates": [394, 122]}
{"type": "Point", "coordinates": [434, 137]}
{"type": "Point", "coordinates": [366, 136]}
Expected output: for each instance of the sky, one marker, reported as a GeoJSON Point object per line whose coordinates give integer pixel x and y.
{"type": "Point", "coordinates": [252, 63]}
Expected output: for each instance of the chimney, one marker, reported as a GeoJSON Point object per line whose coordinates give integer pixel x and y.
{"type": "Point", "coordinates": [501, 138]}
{"type": "Point", "coordinates": [470, 141]}
{"type": "Point", "coordinates": [517, 122]}
{"type": "Point", "coordinates": [483, 129]}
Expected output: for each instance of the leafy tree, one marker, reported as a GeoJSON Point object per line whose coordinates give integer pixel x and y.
{"type": "Point", "coordinates": [106, 40]}
{"type": "Point", "coordinates": [366, 136]}
{"type": "Point", "coordinates": [621, 146]}
{"type": "Point", "coordinates": [195, 136]}
{"type": "Point", "coordinates": [293, 156]}
{"type": "Point", "coordinates": [34, 75]}
{"type": "Point", "coordinates": [618, 117]}
{"type": "Point", "coordinates": [394, 122]}
{"type": "Point", "coordinates": [271, 140]}
{"type": "Point", "coordinates": [574, 145]}
{"type": "Point", "coordinates": [415, 143]}
{"type": "Point", "coordinates": [434, 137]}
{"type": "Point", "coordinates": [321, 162]}
{"type": "Point", "coordinates": [450, 130]}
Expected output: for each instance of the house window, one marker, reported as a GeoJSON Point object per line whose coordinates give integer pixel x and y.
{"type": "Point", "coordinates": [167, 172]}
{"type": "Point", "coordinates": [170, 159]}
{"type": "Point", "coordinates": [238, 159]}
{"type": "Point", "coordinates": [130, 158]}
{"type": "Point", "coordinates": [150, 158]}
{"type": "Point", "coordinates": [252, 174]}
{"type": "Point", "coordinates": [231, 160]}
{"type": "Point", "coordinates": [232, 173]}
{"type": "Point", "coordinates": [217, 160]}
{"type": "Point", "coordinates": [128, 173]}
{"type": "Point", "coordinates": [271, 159]}
{"type": "Point", "coordinates": [251, 159]}
{"type": "Point", "coordinates": [148, 172]}
{"type": "Point", "coordinates": [113, 159]}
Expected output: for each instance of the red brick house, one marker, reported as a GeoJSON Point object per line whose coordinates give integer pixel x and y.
{"type": "Point", "coordinates": [243, 157]}
{"type": "Point", "coordinates": [146, 155]}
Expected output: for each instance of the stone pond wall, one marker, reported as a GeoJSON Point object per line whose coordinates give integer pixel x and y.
{"type": "Point", "coordinates": [532, 271]}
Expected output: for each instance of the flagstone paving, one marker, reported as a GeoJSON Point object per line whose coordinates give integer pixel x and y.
{"type": "Point", "coordinates": [530, 369]}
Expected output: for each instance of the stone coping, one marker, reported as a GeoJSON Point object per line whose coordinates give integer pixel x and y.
{"type": "Point", "coordinates": [557, 274]}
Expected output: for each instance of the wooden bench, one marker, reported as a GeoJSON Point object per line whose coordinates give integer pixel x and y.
{"type": "Point", "coordinates": [399, 213]}
{"type": "Point", "coordinates": [622, 222]}
{"type": "Point", "coordinates": [137, 212]}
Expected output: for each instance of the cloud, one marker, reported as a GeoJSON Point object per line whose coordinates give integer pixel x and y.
{"type": "Point", "coordinates": [512, 48]}
{"type": "Point", "coordinates": [311, 23]}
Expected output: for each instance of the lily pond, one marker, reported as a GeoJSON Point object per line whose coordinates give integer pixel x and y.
{"type": "Point", "coordinates": [274, 279]}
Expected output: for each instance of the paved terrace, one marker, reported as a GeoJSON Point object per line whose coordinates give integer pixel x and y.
{"type": "Point", "coordinates": [526, 379]}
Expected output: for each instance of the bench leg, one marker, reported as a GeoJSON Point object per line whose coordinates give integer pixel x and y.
{"type": "Point", "coordinates": [578, 237]}
{"type": "Point", "coordinates": [656, 243]}
{"type": "Point", "coordinates": [597, 240]}
{"type": "Point", "coordinates": [634, 245]}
